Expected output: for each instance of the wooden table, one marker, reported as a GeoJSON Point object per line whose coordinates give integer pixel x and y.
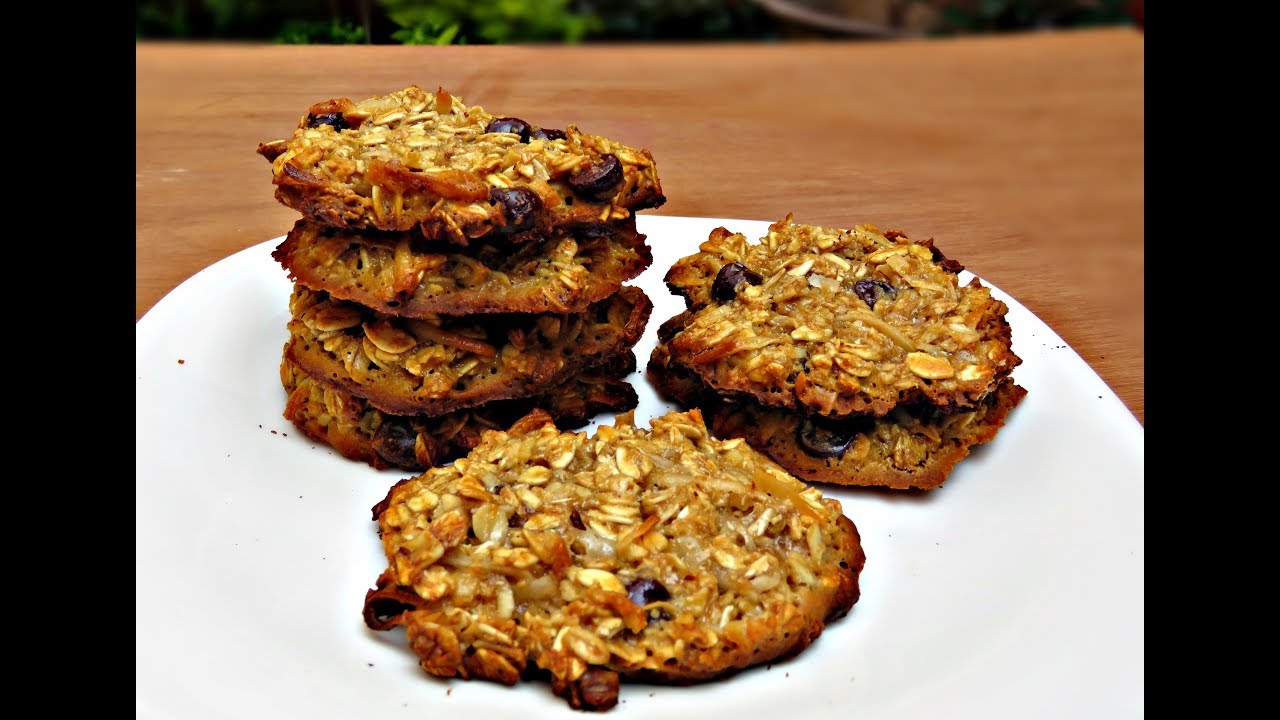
{"type": "Point", "coordinates": [1023, 156]}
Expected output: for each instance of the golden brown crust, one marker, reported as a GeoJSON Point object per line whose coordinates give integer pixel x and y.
{"type": "Point", "coordinates": [838, 322]}
{"type": "Point", "coordinates": [664, 556]}
{"type": "Point", "coordinates": [434, 366]}
{"type": "Point", "coordinates": [401, 274]}
{"type": "Point", "coordinates": [363, 433]}
{"type": "Point", "coordinates": [414, 160]}
{"type": "Point", "coordinates": [913, 447]}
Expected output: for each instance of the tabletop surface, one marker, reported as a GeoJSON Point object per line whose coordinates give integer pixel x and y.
{"type": "Point", "coordinates": [1022, 156]}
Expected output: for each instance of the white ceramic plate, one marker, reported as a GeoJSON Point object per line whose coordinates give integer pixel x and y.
{"type": "Point", "coordinates": [1014, 591]}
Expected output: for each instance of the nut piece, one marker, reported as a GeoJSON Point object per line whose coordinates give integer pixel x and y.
{"type": "Point", "coordinates": [387, 337]}
{"type": "Point", "coordinates": [929, 367]}
{"type": "Point", "coordinates": [336, 317]}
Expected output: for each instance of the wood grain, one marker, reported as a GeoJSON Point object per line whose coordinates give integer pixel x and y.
{"type": "Point", "coordinates": [1023, 156]}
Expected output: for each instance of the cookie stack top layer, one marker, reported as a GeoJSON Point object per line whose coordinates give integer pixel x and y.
{"type": "Point", "coordinates": [426, 161]}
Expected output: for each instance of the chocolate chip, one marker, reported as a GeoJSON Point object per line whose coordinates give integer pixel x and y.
{"type": "Point", "coordinates": [729, 278]}
{"type": "Point", "coordinates": [643, 591]}
{"type": "Point", "coordinates": [592, 230]}
{"type": "Point", "coordinates": [378, 612]}
{"type": "Point", "coordinates": [943, 261]}
{"type": "Point", "coordinates": [547, 134]}
{"type": "Point", "coordinates": [598, 688]}
{"type": "Point", "coordinates": [827, 439]}
{"type": "Point", "coordinates": [872, 290]}
{"type": "Point", "coordinates": [521, 205]}
{"type": "Point", "coordinates": [394, 442]}
{"type": "Point", "coordinates": [334, 120]}
{"type": "Point", "coordinates": [598, 179]}
{"type": "Point", "coordinates": [509, 125]}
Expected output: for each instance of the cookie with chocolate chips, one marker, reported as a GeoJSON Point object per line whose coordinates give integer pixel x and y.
{"type": "Point", "coordinates": [838, 323]}
{"type": "Point", "coordinates": [428, 163]}
{"type": "Point", "coordinates": [404, 274]}
{"type": "Point", "coordinates": [659, 555]}
{"type": "Point", "coordinates": [911, 447]}
{"type": "Point", "coordinates": [438, 364]}
{"type": "Point", "coordinates": [364, 433]}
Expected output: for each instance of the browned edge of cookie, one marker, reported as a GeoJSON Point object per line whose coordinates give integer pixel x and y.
{"type": "Point", "coordinates": [794, 637]}
{"type": "Point", "coordinates": [740, 416]}
{"type": "Point", "coordinates": [702, 350]}
{"type": "Point", "coordinates": [389, 605]}
{"type": "Point", "coordinates": [777, 635]}
{"type": "Point", "coordinates": [795, 397]}
{"type": "Point", "coordinates": [783, 449]}
{"type": "Point", "coordinates": [416, 443]}
{"type": "Point", "coordinates": [620, 253]}
{"type": "Point", "coordinates": [690, 283]}
{"type": "Point", "coordinates": [546, 374]}
{"type": "Point", "coordinates": [377, 189]}
{"type": "Point", "coordinates": [307, 195]}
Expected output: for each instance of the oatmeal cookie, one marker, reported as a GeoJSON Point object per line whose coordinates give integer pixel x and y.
{"type": "Point", "coordinates": [910, 447]}
{"type": "Point", "coordinates": [662, 555]}
{"type": "Point", "coordinates": [361, 432]}
{"type": "Point", "coordinates": [415, 160]}
{"type": "Point", "coordinates": [838, 322]}
{"type": "Point", "coordinates": [402, 274]}
{"type": "Point", "coordinates": [435, 365]}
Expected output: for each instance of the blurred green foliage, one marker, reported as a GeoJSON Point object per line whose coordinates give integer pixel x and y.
{"type": "Point", "coordinates": [321, 32]}
{"type": "Point", "coordinates": [1006, 15]}
{"type": "Point", "coordinates": [441, 22]}
{"type": "Point", "coordinates": [257, 19]}
{"type": "Point", "coordinates": [683, 19]}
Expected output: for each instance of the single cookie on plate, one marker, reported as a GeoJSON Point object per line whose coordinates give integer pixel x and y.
{"type": "Point", "coordinates": [438, 364]}
{"type": "Point", "coordinates": [403, 274]}
{"type": "Point", "coordinates": [911, 447]}
{"type": "Point", "coordinates": [838, 322]}
{"type": "Point", "coordinates": [660, 555]}
{"type": "Point", "coordinates": [361, 432]}
{"type": "Point", "coordinates": [417, 160]}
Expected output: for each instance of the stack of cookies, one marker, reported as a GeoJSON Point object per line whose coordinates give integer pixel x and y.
{"type": "Point", "coordinates": [852, 357]}
{"type": "Point", "coordinates": [453, 271]}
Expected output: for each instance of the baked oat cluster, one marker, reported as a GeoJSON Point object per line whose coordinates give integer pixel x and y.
{"type": "Point", "coordinates": [661, 555]}
{"type": "Point", "coordinates": [416, 160]}
{"type": "Point", "coordinates": [434, 365]}
{"type": "Point", "coordinates": [400, 274]}
{"type": "Point", "coordinates": [852, 357]}
{"type": "Point", "coordinates": [452, 271]}
{"type": "Point", "coordinates": [360, 431]}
